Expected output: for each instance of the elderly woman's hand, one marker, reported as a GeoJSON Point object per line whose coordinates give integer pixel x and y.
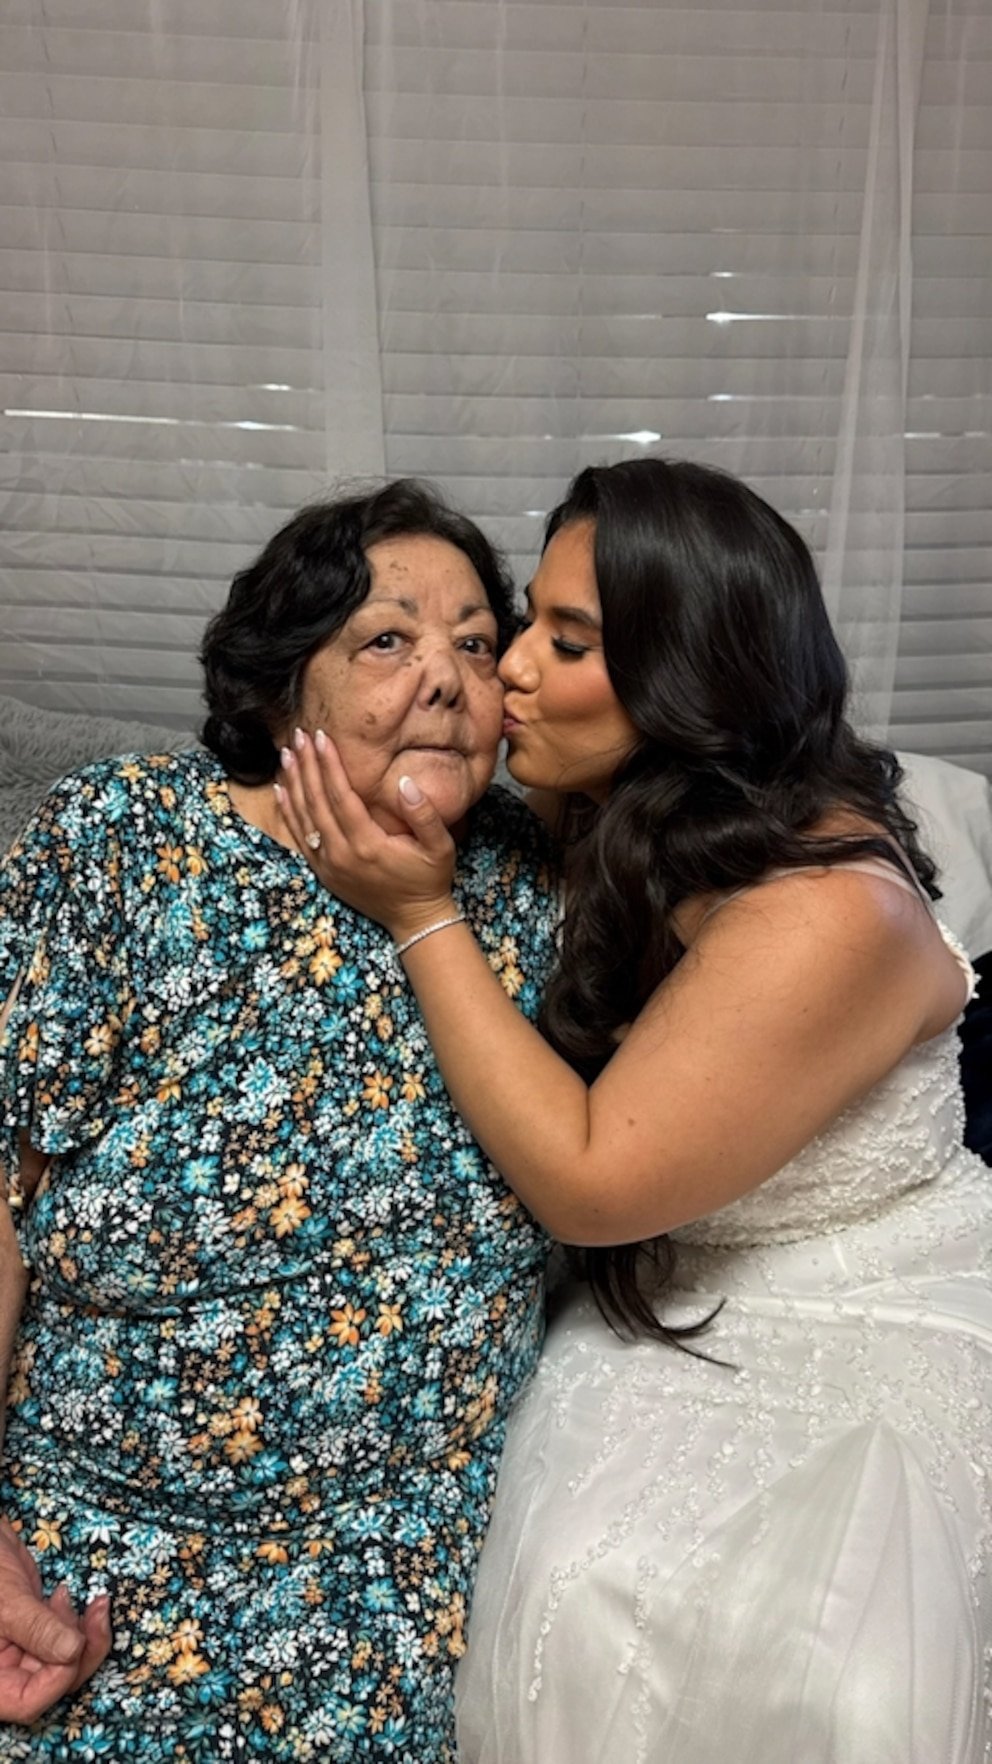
{"type": "Point", "coordinates": [46, 1651]}
{"type": "Point", "coordinates": [403, 880]}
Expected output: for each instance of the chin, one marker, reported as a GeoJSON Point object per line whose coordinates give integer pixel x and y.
{"type": "Point", "coordinates": [529, 776]}
{"type": "Point", "coordinates": [449, 785]}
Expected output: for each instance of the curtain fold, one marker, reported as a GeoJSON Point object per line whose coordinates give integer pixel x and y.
{"type": "Point", "coordinates": [866, 530]}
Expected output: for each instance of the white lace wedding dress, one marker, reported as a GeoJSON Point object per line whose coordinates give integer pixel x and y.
{"type": "Point", "coordinates": [783, 1561]}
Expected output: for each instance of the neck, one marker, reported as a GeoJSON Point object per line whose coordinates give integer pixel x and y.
{"type": "Point", "coordinates": [256, 804]}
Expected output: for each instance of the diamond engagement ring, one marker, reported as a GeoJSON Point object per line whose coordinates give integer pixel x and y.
{"type": "Point", "coordinates": [313, 840]}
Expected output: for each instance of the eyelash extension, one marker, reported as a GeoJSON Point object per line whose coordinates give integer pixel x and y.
{"type": "Point", "coordinates": [561, 644]}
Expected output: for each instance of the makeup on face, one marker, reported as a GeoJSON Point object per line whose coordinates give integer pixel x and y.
{"type": "Point", "coordinates": [564, 724]}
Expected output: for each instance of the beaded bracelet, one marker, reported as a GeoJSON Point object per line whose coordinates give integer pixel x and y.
{"type": "Point", "coordinates": [428, 931]}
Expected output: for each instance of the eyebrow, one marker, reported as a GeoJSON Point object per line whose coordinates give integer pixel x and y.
{"type": "Point", "coordinates": [574, 615]}
{"type": "Point", "coordinates": [412, 607]}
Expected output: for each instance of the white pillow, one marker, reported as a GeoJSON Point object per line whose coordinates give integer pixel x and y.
{"type": "Point", "coordinates": [954, 810]}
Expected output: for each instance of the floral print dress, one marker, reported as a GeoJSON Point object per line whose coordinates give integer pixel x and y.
{"type": "Point", "coordinates": [280, 1301]}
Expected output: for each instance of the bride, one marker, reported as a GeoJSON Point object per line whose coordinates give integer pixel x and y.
{"type": "Point", "coordinates": [744, 1509]}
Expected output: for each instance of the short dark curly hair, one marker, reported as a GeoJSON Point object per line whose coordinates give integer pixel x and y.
{"type": "Point", "coordinates": [298, 593]}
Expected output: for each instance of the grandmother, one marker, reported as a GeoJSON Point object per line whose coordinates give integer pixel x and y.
{"type": "Point", "coordinates": [279, 1301]}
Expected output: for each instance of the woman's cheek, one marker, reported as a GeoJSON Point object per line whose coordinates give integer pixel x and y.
{"type": "Point", "coordinates": [489, 720]}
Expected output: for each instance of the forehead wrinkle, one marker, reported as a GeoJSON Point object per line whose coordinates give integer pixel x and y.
{"type": "Point", "coordinates": [403, 601]}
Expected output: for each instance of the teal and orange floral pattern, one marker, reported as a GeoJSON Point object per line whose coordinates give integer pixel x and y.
{"type": "Point", "coordinates": [280, 1302]}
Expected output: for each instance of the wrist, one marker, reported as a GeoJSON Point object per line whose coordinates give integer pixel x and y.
{"type": "Point", "coordinates": [417, 918]}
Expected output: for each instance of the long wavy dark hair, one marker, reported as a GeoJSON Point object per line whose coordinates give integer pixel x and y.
{"type": "Point", "coordinates": [719, 647]}
{"type": "Point", "coordinates": [299, 591]}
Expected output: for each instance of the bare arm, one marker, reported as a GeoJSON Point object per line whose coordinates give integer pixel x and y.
{"type": "Point", "coordinates": [782, 1014]}
{"type": "Point", "coordinates": [792, 1002]}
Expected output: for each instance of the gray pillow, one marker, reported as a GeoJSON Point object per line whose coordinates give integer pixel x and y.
{"type": "Point", "coordinates": [39, 746]}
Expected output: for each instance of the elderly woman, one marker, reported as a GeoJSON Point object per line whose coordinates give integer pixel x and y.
{"type": "Point", "coordinates": [279, 1300]}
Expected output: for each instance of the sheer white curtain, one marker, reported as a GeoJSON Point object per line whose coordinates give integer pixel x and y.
{"type": "Point", "coordinates": [187, 323]}
{"type": "Point", "coordinates": [604, 228]}
{"type": "Point", "coordinates": [252, 245]}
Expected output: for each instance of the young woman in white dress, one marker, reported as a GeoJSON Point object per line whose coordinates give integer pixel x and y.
{"type": "Point", "coordinates": [766, 1540]}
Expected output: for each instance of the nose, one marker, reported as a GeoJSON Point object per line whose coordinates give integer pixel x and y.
{"type": "Point", "coordinates": [517, 668]}
{"type": "Point", "coordinates": [442, 683]}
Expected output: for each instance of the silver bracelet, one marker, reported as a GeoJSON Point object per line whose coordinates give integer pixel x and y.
{"type": "Point", "coordinates": [428, 931]}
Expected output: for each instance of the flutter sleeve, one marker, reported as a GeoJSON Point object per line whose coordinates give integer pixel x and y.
{"type": "Point", "coordinates": [63, 976]}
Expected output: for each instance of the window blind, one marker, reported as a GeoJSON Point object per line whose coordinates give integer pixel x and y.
{"type": "Point", "coordinates": [165, 287]}
{"type": "Point", "coordinates": [603, 229]}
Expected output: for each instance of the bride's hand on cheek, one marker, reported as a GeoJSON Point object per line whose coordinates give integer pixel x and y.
{"type": "Point", "coordinates": [401, 879]}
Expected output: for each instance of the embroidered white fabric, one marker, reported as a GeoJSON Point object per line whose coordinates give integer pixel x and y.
{"type": "Point", "coordinates": [784, 1560]}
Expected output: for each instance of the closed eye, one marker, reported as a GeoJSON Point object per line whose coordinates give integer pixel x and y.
{"type": "Point", "coordinates": [572, 650]}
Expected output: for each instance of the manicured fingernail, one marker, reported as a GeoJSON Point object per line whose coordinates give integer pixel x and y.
{"type": "Point", "coordinates": [320, 740]}
{"type": "Point", "coordinates": [287, 758]}
{"type": "Point", "coordinates": [411, 792]}
{"type": "Point", "coordinates": [277, 791]}
{"type": "Point", "coordinates": [299, 740]}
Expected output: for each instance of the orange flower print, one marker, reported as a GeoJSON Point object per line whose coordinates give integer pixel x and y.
{"type": "Point", "coordinates": [324, 965]}
{"type": "Point", "coordinates": [48, 1535]}
{"type": "Point", "coordinates": [273, 1553]}
{"type": "Point", "coordinates": [294, 1180]}
{"type": "Point", "coordinates": [346, 1326]}
{"type": "Point", "coordinates": [412, 1087]}
{"type": "Point", "coordinates": [288, 1216]}
{"type": "Point", "coordinates": [376, 1090]}
{"type": "Point", "coordinates": [196, 863]}
{"type": "Point", "coordinates": [242, 1445]}
{"type": "Point", "coordinates": [271, 1717]}
{"type": "Point", "coordinates": [325, 961]}
{"type": "Point", "coordinates": [390, 1319]}
{"type": "Point", "coordinates": [186, 1667]}
{"type": "Point", "coordinates": [101, 1039]}
{"type": "Point", "coordinates": [248, 1414]}
{"type": "Point", "coordinates": [511, 979]}
{"type": "Point", "coordinates": [169, 859]}
{"type": "Point", "coordinates": [168, 1091]}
